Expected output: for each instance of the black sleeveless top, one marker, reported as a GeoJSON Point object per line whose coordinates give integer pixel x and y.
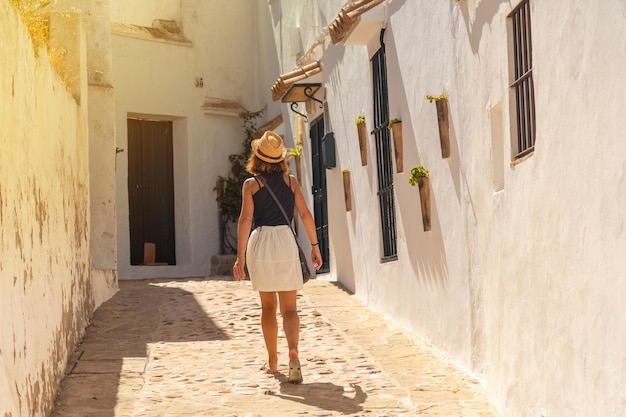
{"type": "Point", "coordinates": [266, 211]}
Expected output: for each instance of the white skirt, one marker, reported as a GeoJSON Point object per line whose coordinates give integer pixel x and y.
{"type": "Point", "coordinates": [272, 259]}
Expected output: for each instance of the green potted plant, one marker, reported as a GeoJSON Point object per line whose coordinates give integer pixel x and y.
{"type": "Point", "coordinates": [441, 103]}
{"type": "Point", "coordinates": [418, 172]}
{"type": "Point", "coordinates": [441, 96]}
{"type": "Point", "coordinates": [228, 188]}
{"type": "Point", "coordinates": [420, 177]}
{"type": "Point", "coordinates": [361, 129]}
{"type": "Point", "coordinates": [395, 125]}
{"type": "Point", "coordinates": [296, 153]}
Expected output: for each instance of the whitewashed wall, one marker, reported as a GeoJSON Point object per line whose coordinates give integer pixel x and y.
{"type": "Point", "coordinates": [47, 289]}
{"type": "Point", "coordinates": [157, 80]}
{"type": "Point", "coordinates": [553, 254]}
{"type": "Point", "coordinates": [520, 279]}
{"type": "Point", "coordinates": [144, 12]}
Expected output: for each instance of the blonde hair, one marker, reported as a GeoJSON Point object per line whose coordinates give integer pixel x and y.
{"type": "Point", "coordinates": [256, 166]}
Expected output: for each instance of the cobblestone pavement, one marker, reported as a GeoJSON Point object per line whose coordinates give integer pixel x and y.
{"type": "Point", "coordinates": [194, 347]}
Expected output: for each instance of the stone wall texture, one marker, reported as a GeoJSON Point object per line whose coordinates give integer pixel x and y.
{"type": "Point", "coordinates": [47, 291]}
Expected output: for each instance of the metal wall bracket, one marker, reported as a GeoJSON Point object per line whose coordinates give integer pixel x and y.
{"type": "Point", "coordinates": [293, 105]}
{"type": "Point", "coordinates": [308, 92]}
{"type": "Point", "coordinates": [302, 93]}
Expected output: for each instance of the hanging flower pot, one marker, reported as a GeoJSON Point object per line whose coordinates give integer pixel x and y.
{"type": "Point", "coordinates": [396, 128]}
{"type": "Point", "coordinates": [347, 190]}
{"type": "Point", "coordinates": [420, 177]}
{"type": "Point", "coordinates": [441, 103]}
{"type": "Point", "coordinates": [424, 186]}
{"type": "Point", "coordinates": [362, 133]}
{"type": "Point", "coordinates": [296, 153]}
{"type": "Point", "coordinates": [298, 168]}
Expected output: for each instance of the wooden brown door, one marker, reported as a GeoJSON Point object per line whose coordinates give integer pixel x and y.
{"type": "Point", "coordinates": [151, 190]}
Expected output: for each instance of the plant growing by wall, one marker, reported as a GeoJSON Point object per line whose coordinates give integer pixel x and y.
{"type": "Point", "coordinates": [441, 96]}
{"type": "Point", "coordinates": [228, 188]}
{"type": "Point", "coordinates": [393, 122]}
{"type": "Point", "coordinates": [294, 152]}
{"type": "Point", "coordinates": [36, 17]}
{"type": "Point", "coordinates": [418, 172]}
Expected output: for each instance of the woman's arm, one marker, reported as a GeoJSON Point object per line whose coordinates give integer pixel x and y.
{"type": "Point", "coordinates": [243, 228]}
{"type": "Point", "coordinates": [308, 221]}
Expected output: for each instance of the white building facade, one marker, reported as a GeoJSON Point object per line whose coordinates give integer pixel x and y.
{"type": "Point", "coordinates": [183, 72]}
{"type": "Point", "coordinates": [519, 278]}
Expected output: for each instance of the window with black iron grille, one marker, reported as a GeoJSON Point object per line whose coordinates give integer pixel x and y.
{"type": "Point", "coordinates": [522, 79]}
{"type": "Point", "coordinates": [383, 152]}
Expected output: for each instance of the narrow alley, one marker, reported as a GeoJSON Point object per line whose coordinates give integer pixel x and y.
{"type": "Point", "coordinates": [194, 347]}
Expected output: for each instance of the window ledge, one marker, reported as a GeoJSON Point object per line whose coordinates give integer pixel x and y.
{"type": "Point", "coordinates": [530, 153]}
{"type": "Point", "coordinates": [164, 31]}
{"type": "Point", "coordinates": [222, 107]}
{"type": "Point", "coordinates": [388, 259]}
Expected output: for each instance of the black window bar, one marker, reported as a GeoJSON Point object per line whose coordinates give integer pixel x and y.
{"type": "Point", "coordinates": [383, 152]}
{"type": "Point", "coordinates": [523, 79]}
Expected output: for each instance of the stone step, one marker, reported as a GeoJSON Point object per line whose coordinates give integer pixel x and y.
{"type": "Point", "coordinates": [222, 264]}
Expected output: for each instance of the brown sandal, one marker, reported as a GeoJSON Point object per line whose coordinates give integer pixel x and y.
{"type": "Point", "coordinates": [295, 374]}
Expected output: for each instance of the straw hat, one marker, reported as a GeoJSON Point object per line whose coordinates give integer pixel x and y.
{"type": "Point", "coordinates": [269, 148]}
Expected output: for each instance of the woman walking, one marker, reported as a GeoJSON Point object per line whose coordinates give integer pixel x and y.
{"type": "Point", "coordinates": [270, 251]}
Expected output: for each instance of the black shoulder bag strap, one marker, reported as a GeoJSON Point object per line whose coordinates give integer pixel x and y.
{"type": "Point", "coordinates": [304, 264]}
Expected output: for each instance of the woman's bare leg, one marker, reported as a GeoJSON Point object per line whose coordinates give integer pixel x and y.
{"type": "Point", "coordinates": [291, 326]}
{"type": "Point", "coordinates": [291, 321]}
{"type": "Point", "coordinates": [269, 325]}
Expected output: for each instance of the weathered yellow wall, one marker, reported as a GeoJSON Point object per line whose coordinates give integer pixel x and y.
{"type": "Point", "coordinates": [46, 288]}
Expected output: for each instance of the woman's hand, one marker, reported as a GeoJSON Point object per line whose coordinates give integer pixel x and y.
{"type": "Point", "coordinates": [316, 257]}
{"type": "Point", "coordinates": [238, 269]}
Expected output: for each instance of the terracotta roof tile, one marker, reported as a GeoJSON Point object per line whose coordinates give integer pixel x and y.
{"type": "Point", "coordinates": [348, 17]}
{"type": "Point", "coordinates": [285, 81]}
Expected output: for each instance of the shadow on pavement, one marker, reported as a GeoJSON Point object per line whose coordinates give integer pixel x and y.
{"type": "Point", "coordinates": [325, 396]}
{"type": "Point", "coordinates": [115, 344]}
